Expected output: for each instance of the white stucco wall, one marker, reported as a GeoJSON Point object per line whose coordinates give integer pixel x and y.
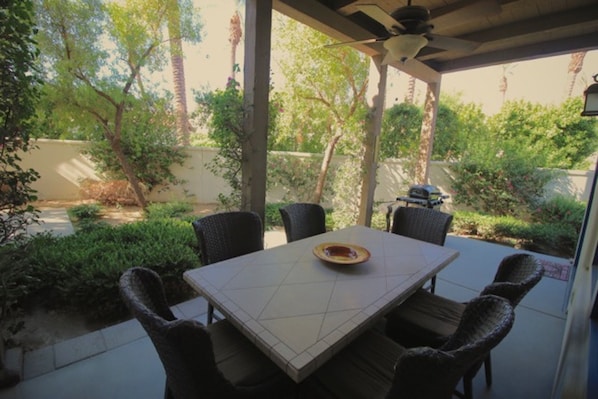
{"type": "Point", "coordinates": [62, 168]}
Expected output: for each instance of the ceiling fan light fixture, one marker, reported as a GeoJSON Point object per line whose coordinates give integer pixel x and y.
{"type": "Point", "coordinates": [405, 47]}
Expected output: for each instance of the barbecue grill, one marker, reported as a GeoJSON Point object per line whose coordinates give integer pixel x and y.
{"type": "Point", "coordinates": [425, 195]}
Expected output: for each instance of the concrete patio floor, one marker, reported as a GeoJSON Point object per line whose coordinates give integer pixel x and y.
{"type": "Point", "coordinates": [121, 362]}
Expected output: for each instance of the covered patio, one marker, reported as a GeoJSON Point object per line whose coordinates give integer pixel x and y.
{"type": "Point", "coordinates": [121, 362]}
{"type": "Point", "coordinates": [459, 35]}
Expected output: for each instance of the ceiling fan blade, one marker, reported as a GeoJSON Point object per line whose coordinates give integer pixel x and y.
{"type": "Point", "coordinates": [451, 43]}
{"type": "Point", "coordinates": [378, 14]}
{"type": "Point", "coordinates": [461, 12]}
{"type": "Point", "coordinates": [374, 40]}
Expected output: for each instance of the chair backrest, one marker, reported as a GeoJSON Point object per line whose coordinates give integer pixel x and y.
{"type": "Point", "coordinates": [184, 346]}
{"type": "Point", "coordinates": [423, 224]}
{"type": "Point", "coordinates": [516, 275]}
{"type": "Point", "coordinates": [227, 235]}
{"type": "Point", "coordinates": [428, 373]}
{"type": "Point", "coordinates": [302, 220]}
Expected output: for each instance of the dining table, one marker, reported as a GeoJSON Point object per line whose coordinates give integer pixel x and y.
{"type": "Point", "coordinates": [302, 302]}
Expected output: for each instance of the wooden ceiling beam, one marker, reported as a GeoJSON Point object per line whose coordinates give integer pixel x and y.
{"type": "Point", "coordinates": [527, 52]}
{"type": "Point", "coordinates": [317, 16]}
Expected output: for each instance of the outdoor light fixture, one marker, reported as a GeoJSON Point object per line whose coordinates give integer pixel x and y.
{"type": "Point", "coordinates": [590, 108]}
{"type": "Point", "coordinates": [404, 47]}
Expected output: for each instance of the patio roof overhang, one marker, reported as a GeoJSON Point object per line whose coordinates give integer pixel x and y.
{"type": "Point", "coordinates": [508, 31]}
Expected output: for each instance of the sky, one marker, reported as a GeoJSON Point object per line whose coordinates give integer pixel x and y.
{"type": "Point", "coordinates": [207, 66]}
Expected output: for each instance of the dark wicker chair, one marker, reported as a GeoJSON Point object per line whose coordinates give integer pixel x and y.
{"type": "Point", "coordinates": [302, 220]}
{"type": "Point", "coordinates": [226, 235]}
{"type": "Point", "coordinates": [376, 367]}
{"type": "Point", "coordinates": [426, 319]}
{"type": "Point", "coordinates": [214, 361]}
{"type": "Point", "coordinates": [422, 224]}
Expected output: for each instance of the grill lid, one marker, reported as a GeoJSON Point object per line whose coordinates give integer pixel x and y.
{"type": "Point", "coordinates": [424, 191]}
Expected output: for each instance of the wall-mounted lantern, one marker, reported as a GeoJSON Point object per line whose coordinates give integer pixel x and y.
{"type": "Point", "coordinates": [590, 107]}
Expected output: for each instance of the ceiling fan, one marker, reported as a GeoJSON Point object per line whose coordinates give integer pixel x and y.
{"type": "Point", "coordinates": [410, 27]}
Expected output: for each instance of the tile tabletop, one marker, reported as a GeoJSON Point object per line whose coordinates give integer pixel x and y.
{"type": "Point", "coordinates": [300, 310]}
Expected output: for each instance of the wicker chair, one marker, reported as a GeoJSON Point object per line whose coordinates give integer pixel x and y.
{"type": "Point", "coordinates": [214, 361]}
{"type": "Point", "coordinates": [426, 319]}
{"type": "Point", "coordinates": [226, 235]}
{"type": "Point", "coordinates": [422, 224]}
{"type": "Point", "coordinates": [374, 366]}
{"type": "Point", "coordinates": [302, 220]}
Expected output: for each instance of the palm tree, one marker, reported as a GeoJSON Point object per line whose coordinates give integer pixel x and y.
{"type": "Point", "coordinates": [410, 96]}
{"type": "Point", "coordinates": [178, 72]}
{"type": "Point", "coordinates": [574, 69]}
{"type": "Point", "coordinates": [235, 34]}
{"type": "Point", "coordinates": [503, 84]}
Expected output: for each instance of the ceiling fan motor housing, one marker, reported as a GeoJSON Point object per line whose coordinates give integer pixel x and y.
{"type": "Point", "coordinates": [414, 19]}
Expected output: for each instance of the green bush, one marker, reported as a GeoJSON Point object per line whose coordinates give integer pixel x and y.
{"type": "Point", "coordinates": [168, 210]}
{"type": "Point", "coordinates": [560, 209]}
{"type": "Point", "coordinates": [559, 239]}
{"type": "Point", "coordinates": [272, 214]}
{"type": "Point", "coordinates": [499, 181]}
{"type": "Point", "coordinates": [85, 212]}
{"type": "Point", "coordinates": [82, 270]}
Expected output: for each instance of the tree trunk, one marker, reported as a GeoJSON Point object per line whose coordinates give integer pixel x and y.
{"type": "Point", "coordinates": [328, 153]}
{"type": "Point", "coordinates": [410, 96]}
{"type": "Point", "coordinates": [114, 140]}
{"type": "Point", "coordinates": [178, 73]}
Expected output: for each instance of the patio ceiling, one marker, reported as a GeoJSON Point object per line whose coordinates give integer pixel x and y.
{"type": "Point", "coordinates": [507, 30]}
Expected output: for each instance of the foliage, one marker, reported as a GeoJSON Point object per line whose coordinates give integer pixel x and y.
{"type": "Point", "coordinates": [295, 175]}
{"type": "Point", "coordinates": [150, 144]}
{"type": "Point", "coordinates": [16, 279]}
{"type": "Point", "coordinates": [347, 188]}
{"type": "Point", "coordinates": [324, 97]}
{"type": "Point", "coordinates": [557, 135]}
{"type": "Point", "coordinates": [458, 125]}
{"type": "Point", "coordinates": [222, 111]}
{"type": "Point", "coordinates": [81, 271]}
{"type": "Point", "coordinates": [85, 211]}
{"type": "Point", "coordinates": [557, 238]}
{"type": "Point", "coordinates": [499, 180]}
{"type": "Point", "coordinates": [168, 210]}
{"type": "Point", "coordinates": [95, 54]}
{"type": "Point", "coordinates": [401, 126]}
{"type": "Point", "coordinates": [19, 92]}
{"type": "Point", "coordinates": [561, 209]}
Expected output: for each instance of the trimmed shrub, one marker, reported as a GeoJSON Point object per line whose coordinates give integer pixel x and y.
{"type": "Point", "coordinates": [81, 271]}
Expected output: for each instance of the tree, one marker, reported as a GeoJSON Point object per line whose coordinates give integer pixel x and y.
{"type": "Point", "coordinates": [574, 68]}
{"type": "Point", "coordinates": [93, 53]}
{"type": "Point", "coordinates": [18, 95]}
{"type": "Point", "coordinates": [401, 126]}
{"type": "Point", "coordinates": [324, 96]}
{"type": "Point", "coordinates": [555, 134]}
{"type": "Point", "coordinates": [19, 92]}
{"type": "Point", "coordinates": [235, 34]}
{"type": "Point", "coordinates": [222, 112]}
{"type": "Point", "coordinates": [178, 71]}
{"type": "Point", "coordinates": [503, 83]}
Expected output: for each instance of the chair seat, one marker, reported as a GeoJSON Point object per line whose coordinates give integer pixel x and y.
{"type": "Point", "coordinates": [364, 369]}
{"type": "Point", "coordinates": [425, 319]}
{"type": "Point", "coordinates": [239, 360]}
